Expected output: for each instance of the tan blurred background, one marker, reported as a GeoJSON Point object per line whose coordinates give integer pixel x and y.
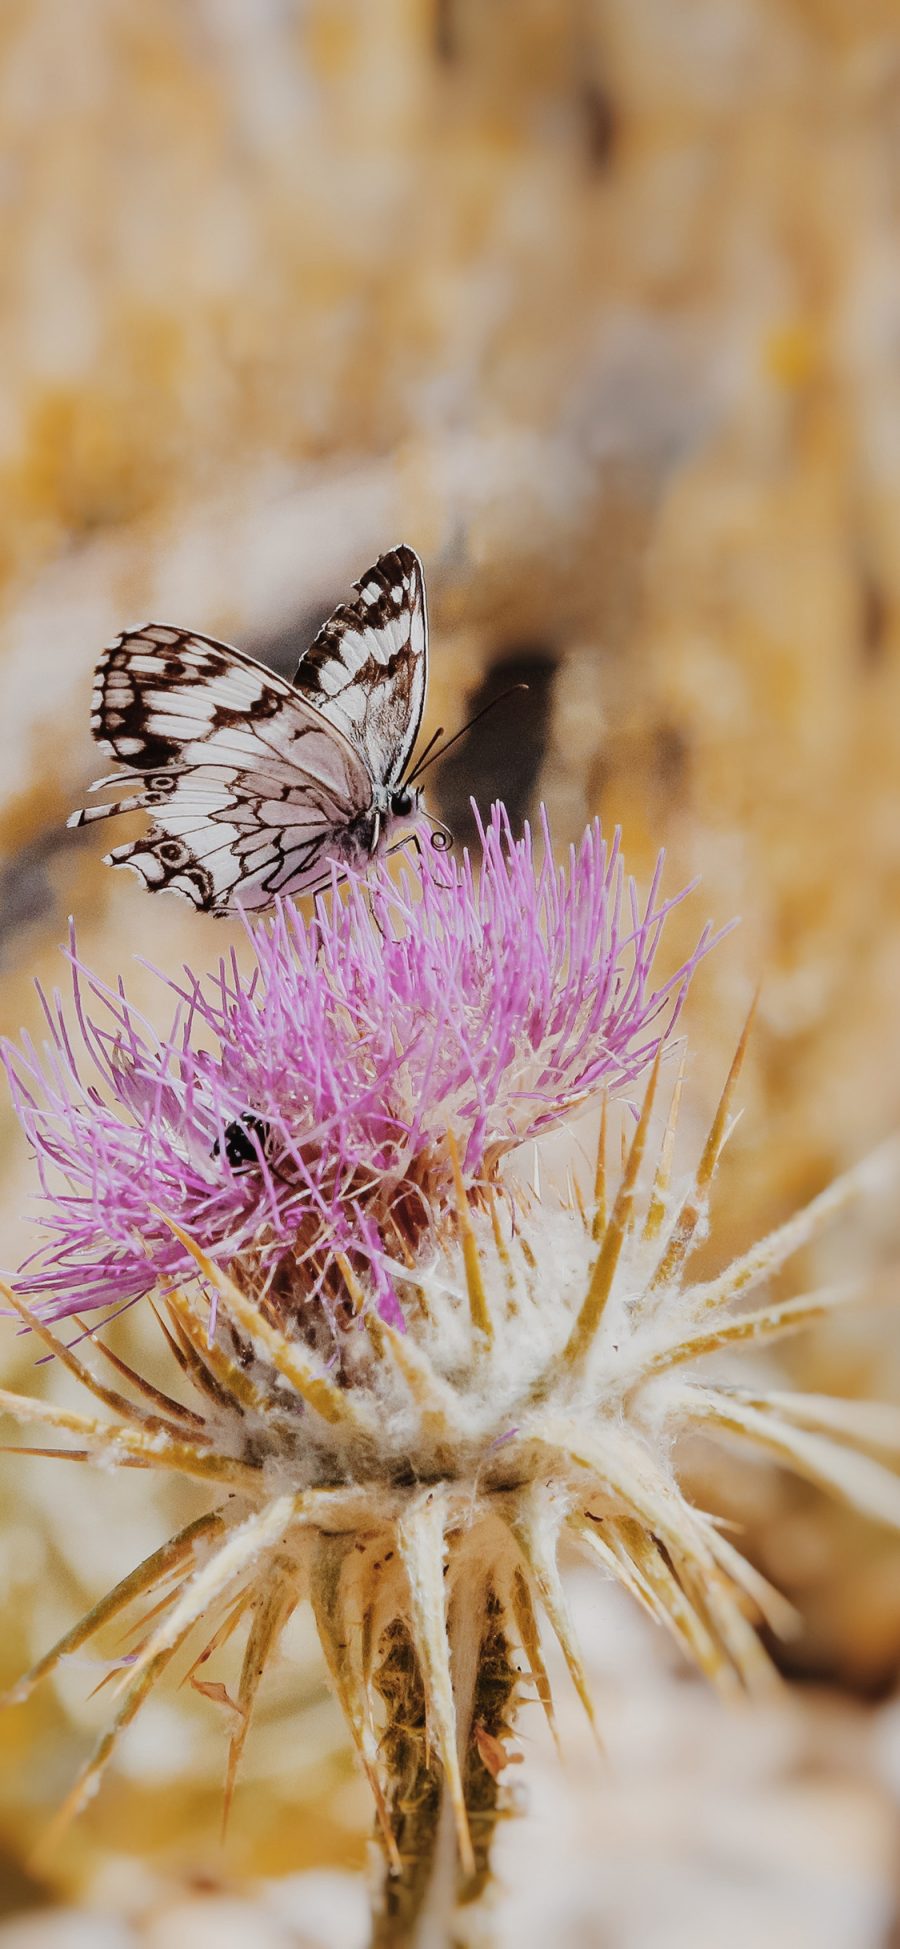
{"type": "Point", "coordinates": [597, 303]}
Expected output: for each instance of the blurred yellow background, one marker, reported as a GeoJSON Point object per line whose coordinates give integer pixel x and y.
{"type": "Point", "coordinates": [597, 304]}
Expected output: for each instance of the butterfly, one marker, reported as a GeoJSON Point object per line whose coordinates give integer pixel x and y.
{"type": "Point", "coordinates": [258, 786]}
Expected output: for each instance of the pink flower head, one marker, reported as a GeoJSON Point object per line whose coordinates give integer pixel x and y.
{"type": "Point", "coordinates": [303, 1110]}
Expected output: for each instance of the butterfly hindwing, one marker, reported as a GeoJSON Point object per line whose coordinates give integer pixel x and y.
{"type": "Point", "coordinates": [367, 669]}
{"type": "Point", "coordinates": [222, 838]}
{"type": "Point", "coordinates": [249, 788]}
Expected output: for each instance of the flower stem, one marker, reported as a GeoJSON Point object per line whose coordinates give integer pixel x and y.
{"type": "Point", "coordinates": [413, 1781]}
{"type": "Point", "coordinates": [431, 1904]}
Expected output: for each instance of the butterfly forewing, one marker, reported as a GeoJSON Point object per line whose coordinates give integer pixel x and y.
{"type": "Point", "coordinates": [248, 786]}
{"type": "Point", "coordinates": [367, 670]}
{"type": "Point", "coordinates": [256, 785]}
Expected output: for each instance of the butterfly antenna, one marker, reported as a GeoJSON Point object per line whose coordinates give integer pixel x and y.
{"type": "Point", "coordinates": [425, 761]}
{"type": "Point", "coordinates": [429, 747]}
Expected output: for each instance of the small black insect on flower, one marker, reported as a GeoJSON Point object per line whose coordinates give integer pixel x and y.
{"type": "Point", "coordinates": [244, 1139]}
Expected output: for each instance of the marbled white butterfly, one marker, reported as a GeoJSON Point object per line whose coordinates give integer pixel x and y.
{"type": "Point", "coordinates": [256, 785]}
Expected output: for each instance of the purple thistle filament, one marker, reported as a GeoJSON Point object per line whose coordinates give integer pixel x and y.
{"type": "Point", "coordinates": [293, 1103]}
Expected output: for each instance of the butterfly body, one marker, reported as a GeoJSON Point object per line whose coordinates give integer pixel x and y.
{"type": "Point", "coordinates": [259, 787]}
{"type": "Point", "coordinates": [372, 832]}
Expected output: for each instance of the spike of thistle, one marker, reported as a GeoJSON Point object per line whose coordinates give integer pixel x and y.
{"type": "Point", "coordinates": [313, 1385]}
{"type": "Point", "coordinates": [420, 1540]}
{"type": "Point", "coordinates": [600, 1206]}
{"type": "Point", "coordinates": [361, 1308]}
{"type": "Point", "coordinates": [536, 1520]}
{"type": "Point", "coordinates": [157, 1450]}
{"type": "Point", "coordinates": [867, 1424]}
{"type": "Point", "coordinates": [668, 1603]}
{"type": "Point", "coordinates": [328, 1565]}
{"type": "Point", "coordinates": [866, 1485]}
{"type": "Point", "coordinates": [110, 1397]}
{"type": "Point", "coordinates": [478, 1305]}
{"type": "Point", "coordinates": [246, 1543]}
{"type": "Point", "coordinates": [695, 1203]}
{"type": "Point", "coordinates": [718, 1603]}
{"type": "Point", "coordinates": [175, 1410]}
{"type": "Point", "coordinates": [775, 1611]}
{"type": "Point", "coordinates": [656, 1206]}
{"type": "Point", "coordinates": [272, 1604]}
{"type": "Point", "coordinates": [212, 1367]}
{"type": "Point", "coordinates": [783, 1316]}
{"type": "Point", "coordinates": [527, 1625]}
{"type": "Point", "coordinates": [615, 1234]}
{"type": "Point", "coordinates": [768, 1256]}
{"type": "Point", "coordinates": [91, 1775]}
{"type": "Point", "coordinates": [234, 1616]}
{"type": "Point", "coordinates": [148, 1575]}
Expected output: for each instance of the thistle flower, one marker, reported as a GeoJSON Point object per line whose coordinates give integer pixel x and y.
{"type": "Point", "coordinates": [317, 1122]}
{"type": "Point", "coordinates": [419, 1488]}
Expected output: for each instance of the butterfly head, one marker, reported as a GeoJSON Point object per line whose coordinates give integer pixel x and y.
{"type": "Point", "coordinates": [406, 802]}
{"type": "Point", "coordinates": [406, 806]}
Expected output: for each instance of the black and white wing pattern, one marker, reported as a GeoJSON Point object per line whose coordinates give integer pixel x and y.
{"type": "Point", "coordinates": [367, 670]}
{"type": "Point", "coordinates": [252, 790]}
